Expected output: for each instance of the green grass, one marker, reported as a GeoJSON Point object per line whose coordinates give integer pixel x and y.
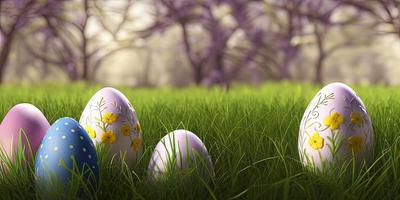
{"type": "Point", "coordinates": [250, 132]}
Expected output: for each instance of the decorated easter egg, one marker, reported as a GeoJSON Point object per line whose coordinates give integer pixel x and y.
{"type": "Point", "coordinates": [26, 123]}
{"type": "Point", "coordinates": [66, 152]}
{"type": "Point", "coordinates": [177, 150]}
{"type": "Point", "coordinates": [111, 121]}
{"type": "Point", "coordinates": [335, 129]}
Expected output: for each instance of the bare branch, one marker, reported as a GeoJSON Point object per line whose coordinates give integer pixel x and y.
{"type": "Point", "coordinates": [124, 17]}
{"type": "Point", "coordinates": [101, 58]}
{"type": "Point", "coordinates": [42, 56]}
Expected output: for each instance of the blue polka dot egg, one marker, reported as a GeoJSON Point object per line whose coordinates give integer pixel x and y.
{"type": "Point", "coordinates": [66, 156]}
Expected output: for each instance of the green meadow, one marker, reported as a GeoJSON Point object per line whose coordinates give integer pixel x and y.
{"type": "Point", "coordinates": [250, 132]}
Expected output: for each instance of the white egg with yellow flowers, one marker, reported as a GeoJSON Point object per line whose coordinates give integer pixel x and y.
{"type": "Point", "coordinates": [335, 129]}
{"type": "Point", "coordinates": [110, 120]}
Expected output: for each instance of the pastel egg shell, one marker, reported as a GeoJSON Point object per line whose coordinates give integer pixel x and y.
{"type": "Point", "coordinates": [66, 142]}
{"type": "Point", "coordinates": [335, 125]}
{"type": "Point", "coordinates": [22, 118]}
{"type": "Point", "coordinates": [110, 119]}
{"type": "Point", "coordinates": [175, 145]}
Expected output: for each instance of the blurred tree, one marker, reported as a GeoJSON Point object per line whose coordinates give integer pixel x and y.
{"type": "Point", "coordinates": [221, 39]}
{"type": "Point", "coordinates": [320, 14]}
{"type": "Point", "coordinates": [184, 14]}
{"type": "Point", "coordinates": [14, 16]}
{"type": "Point", "coordinates": [385, 12]}
{"type": "Point", "coordinates": [316, 18]}
{"type": "Point", "coordinates": [46, 44]}
{"type": "Point", "coordinates": [144, 78]}
{"type": "Point", "coordinates": [82, 35]}
{"type": "Point", "coordinates": [210, 64]}
{"type": "Point", "coordinates": [274, 35]}
{"type": "Point", "coordinates": [271, 42]}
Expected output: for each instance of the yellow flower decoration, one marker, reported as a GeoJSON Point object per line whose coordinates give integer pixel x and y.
{"type": "Point", "coordinates": [108, 137]}
{"type": "Point", "coordinates": [109, 118]}
{"type": "Point", "coordinates": [138, 128]}
{"type": "Point", "coordinates": [355, 143]}
{"type": "Point", "coordinates": [125, 129]}
{"type": "Point", "coordinates": [356, 118]}
{"type": "Point", "coordinates": [316, 141]}
{"type": "Point", "coordinates": [91, 132]}
{"type": "Point", "coordinates": [136, 144]}
{"type": "Point", "coordinates": [334, 120]}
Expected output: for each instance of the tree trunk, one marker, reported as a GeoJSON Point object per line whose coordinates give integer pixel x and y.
{"type": "Point", "coordinates": [318, 68]}
{"type": "Point", "coordinates": [85, 57]}
{"type": "Point", "coordinates": [9, 37]}
{"type": "Point", "coordinates": [4, 54]}
{"type": "Point", "coordinates": [72, 71]}
{"type": "Point", "coordinates": [288, 49]}
{"type": "Point", "coordinates": [196, 66]}
{"type": "Point", "coordinates": [321, 55]}
{"type": "Point", "coordinates": [146, 74]}
{"type": "Point", "coordinates": [197, 75]}
{"type": "Point", "coordinates": [285, 75]}
{"type": "Point", "coordinates": [44, 61]}
{"type": "Point", "coordinates": [219, 76]}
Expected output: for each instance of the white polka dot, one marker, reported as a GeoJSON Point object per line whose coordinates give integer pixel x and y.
{"type": "Point", "coordinates": [46, 156]}
{"type": "Point", "coordinates": [90, 156]}
{"type": "Point", "coordinates": [81, 137]}
{"type": "Point", "coordinates": [66, 123]}
{"type": "Point", "coordinates": [55, 148]}
{"type": "Point", "coordinates": [41, 146]}
{"type": "Point", "coordinates": [72, 130]}
{"type": "Point", "coordinates": [93, 167]}
{"type": "Point", "coordinates": [57, 129]}
{"type": "Point", "coordinates": [40, 156]}
{"type": "Point", "coordinates": [71, 146]}
{"type": "Point", "coordinates": [49, 137]}
{"type": "Point", "coordinates": [63, 137]}
{"type": "Point", "coordinates": [84, 149]}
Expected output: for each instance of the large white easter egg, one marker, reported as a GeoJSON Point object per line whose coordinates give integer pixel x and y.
{"type": "Point", "coordinates": [335, 128]}
{"type": "Point", "coordinates": [110, 120]}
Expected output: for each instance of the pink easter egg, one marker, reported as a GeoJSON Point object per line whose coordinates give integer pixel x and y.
{"type": "Point", "coordinates": [22, 118]}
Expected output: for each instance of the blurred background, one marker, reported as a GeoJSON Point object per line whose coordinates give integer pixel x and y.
{"type": "Point", "coordinates": [150, 43]}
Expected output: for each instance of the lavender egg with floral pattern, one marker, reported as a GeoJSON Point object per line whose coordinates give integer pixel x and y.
{"type": "Point", "coordinates": [111, 122]}
{"type": "Point", "coordinates": [335, 129]}
{"type": "Point", "coordinates": [178, 150]}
